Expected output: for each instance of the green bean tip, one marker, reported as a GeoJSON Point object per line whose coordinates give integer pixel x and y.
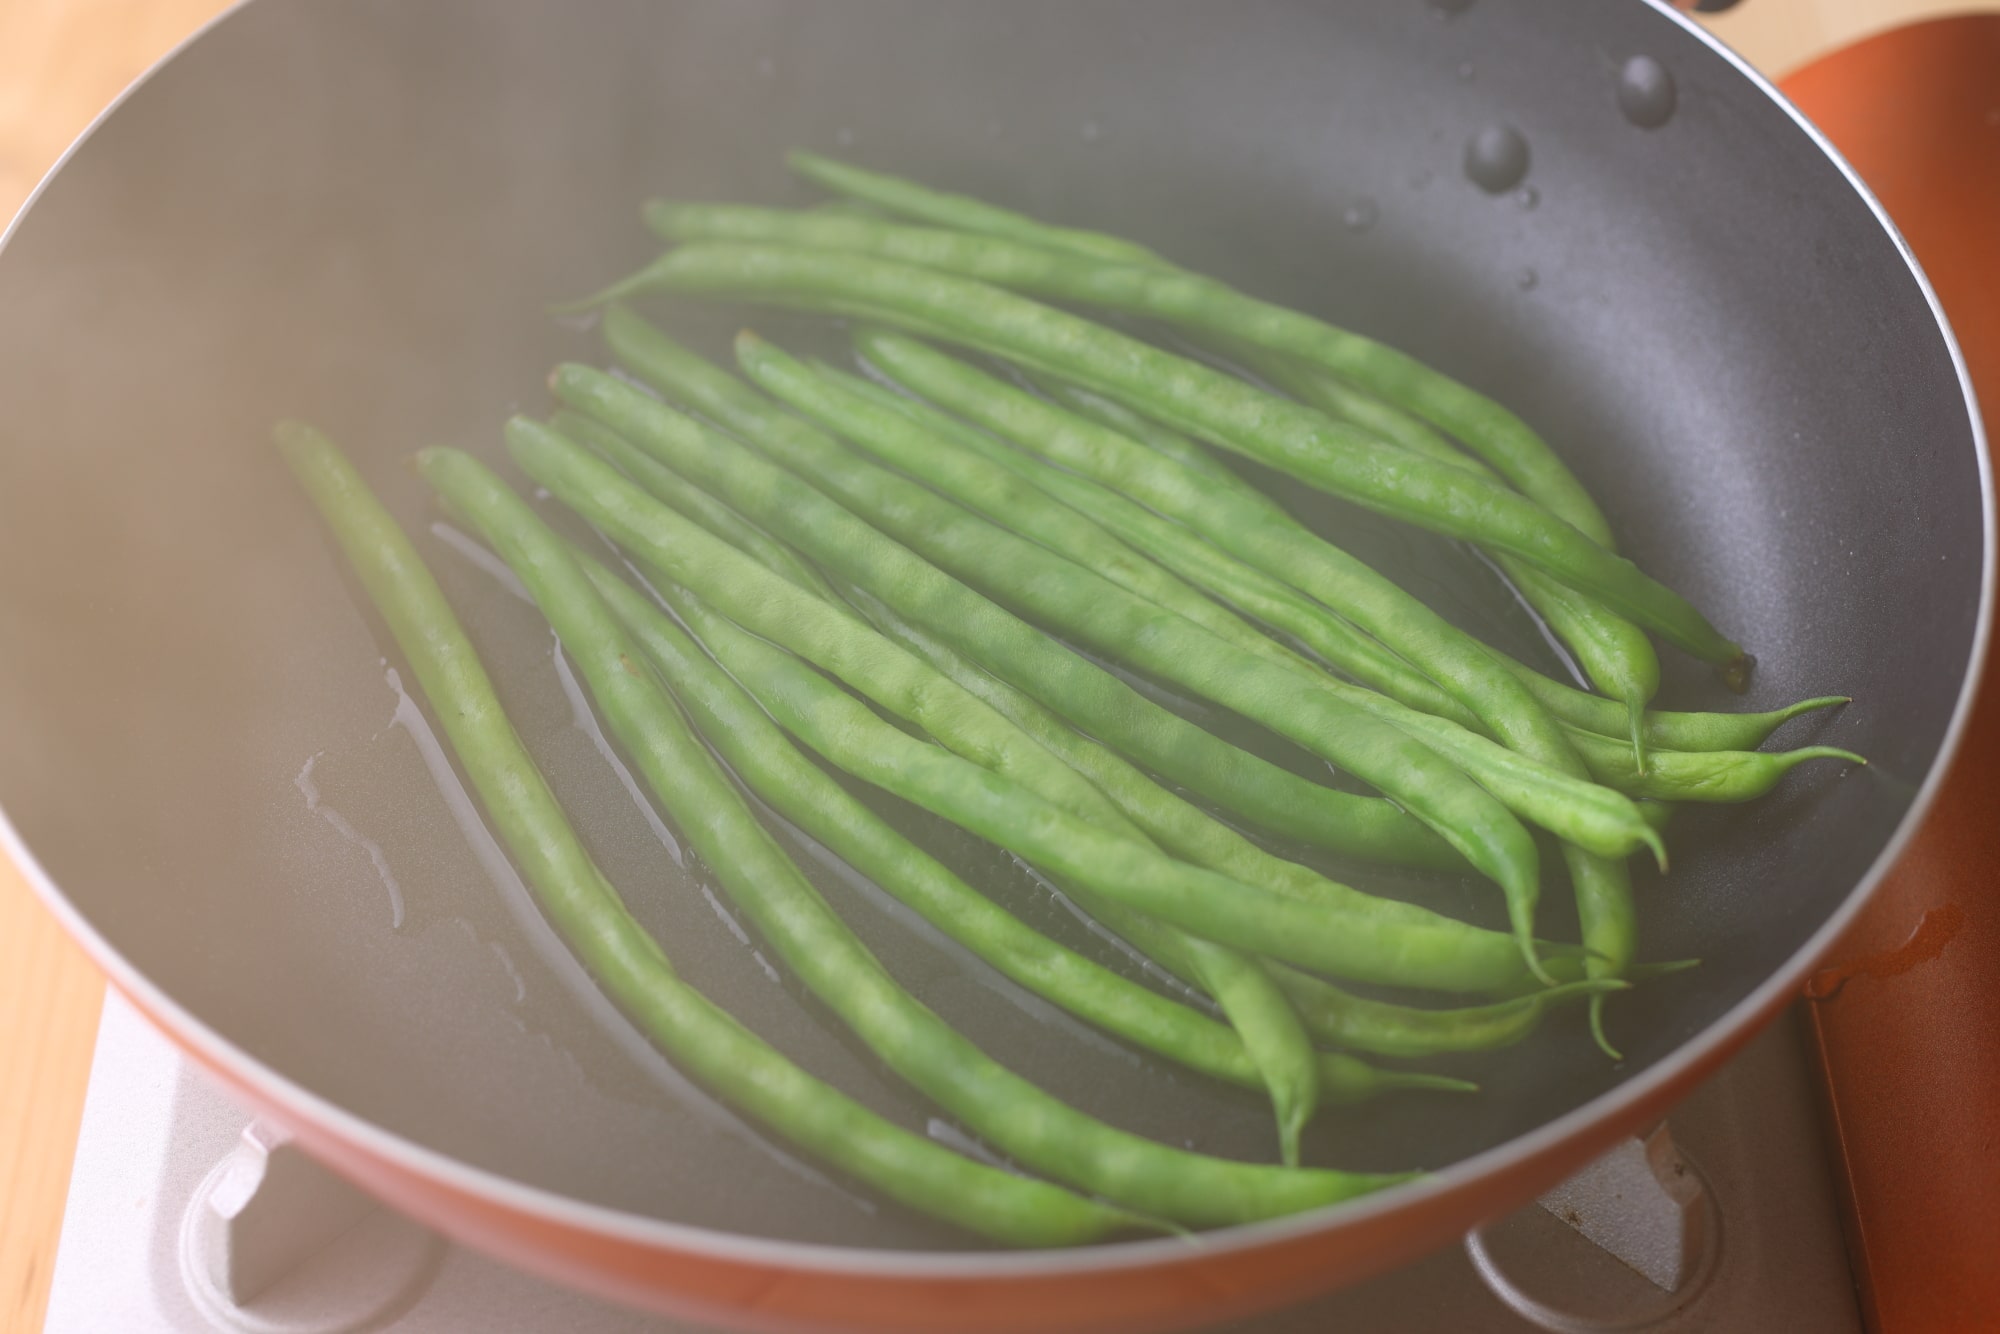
{"type": "Point", "coordinates": [632, 284]}
{"type": "Point", "coordinates": [1644, 972]}
{"type": "Point", "coordinates": [1429, 1083]}
{"type": "Point", "coordinates": [1536, 966]}
{"type": "Point", "coordinates": [1736, 672]}
{"type": "Point", "coordinates": [1597, 1030]}
{"type": "Point", "coordinates": [1651, 838]}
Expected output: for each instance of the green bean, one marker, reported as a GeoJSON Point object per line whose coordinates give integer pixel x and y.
{"type": "Point", "coordinates": [1360, 1023]}
{"type": "Point", "coordinates": [699, 505]}
{"type": "Point", "coordinates": [623, 958]}
{"type": "Point", "coordinates": [946, 210]}
{"type": "Point", "coordinates": [1615, 654]}
{"type": "Point", "coordinates": [1012, 1113]}
{"type": "Point", "coordinates": [1121, 869]}
{"type": "Point", "coordinates": [1095, 701]}
{"type": "Point", "coordinates": [1665, 730]}
{"type": "Point", "coordinates": [1708, 776]}
{"type": "Point", "coordinates": [1189, 394]}
{"type": "Point", "coordinates": [1229, 580]}
{"type": "Point", "coordinates": [1077, 602]}
{"type": "Point", "coordinates": [1027, 261]}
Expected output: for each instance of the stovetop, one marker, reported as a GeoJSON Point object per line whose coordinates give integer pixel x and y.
{"type": "Point", "coordinates": [1722, 1222]}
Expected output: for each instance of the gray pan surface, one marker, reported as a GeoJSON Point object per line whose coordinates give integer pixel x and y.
{"type": "Point", "coordinates": [353, 212]}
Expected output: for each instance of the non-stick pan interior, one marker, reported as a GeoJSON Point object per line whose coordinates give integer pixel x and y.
{"type": "Point", "coordinates": [354, 212]}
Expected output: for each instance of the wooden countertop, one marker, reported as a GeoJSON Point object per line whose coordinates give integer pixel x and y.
{"type": "Point", "coordinates": [61, 61]}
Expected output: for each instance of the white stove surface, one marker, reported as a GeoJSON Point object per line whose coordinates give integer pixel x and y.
{"type": "Point", "coordinates": [155, 1130]}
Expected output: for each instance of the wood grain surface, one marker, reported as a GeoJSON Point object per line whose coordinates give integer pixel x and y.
{"type": "Point", "coordinates": [61, 61]}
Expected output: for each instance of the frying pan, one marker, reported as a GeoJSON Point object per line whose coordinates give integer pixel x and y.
{"type": "Point", "coordinates": [353, 212]}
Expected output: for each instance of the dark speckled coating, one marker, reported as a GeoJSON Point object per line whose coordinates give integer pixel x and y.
{"type": "Point", "coordinates": [353, 212]}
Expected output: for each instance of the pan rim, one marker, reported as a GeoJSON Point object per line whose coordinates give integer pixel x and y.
{"type": "Point", "coordinates": [1620, 1103]}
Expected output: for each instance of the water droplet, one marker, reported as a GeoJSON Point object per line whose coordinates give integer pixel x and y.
{"type": "Point", "coordinates": [1360, 215]}
{"type": "Point", "coordinates": [1496, 158]}
{"type": "Point", "coordinates": [1466, 72]}
{"type": "Point", "coordinates": [1421, 178]}
{"type": "Point", "coordinates": [1993, 116]}
{"type": "Point", "coordinates": [1444, 9]}
{"type": "Point", "coordinates": [1646, 92]}
{"type": "Point", "coordinates": [1527, 279]}
{"type": "Point", "coordinates": [1092, 131]}
{"type": "Point", "coordinates": [843, 136]}
{"type": "Point", "coordinates": [767, 66]}
{"type": "Point", "coordinates": [1527, 197]}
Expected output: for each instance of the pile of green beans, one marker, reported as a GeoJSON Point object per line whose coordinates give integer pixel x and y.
{"type": "Point", "coordinates": [1003, 592]}
{"type": "Point", "coordinates": [626, 961]}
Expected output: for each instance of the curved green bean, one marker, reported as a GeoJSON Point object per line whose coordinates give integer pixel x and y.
{"type": "Point", "coordinates": [1360, 1023]}
{"type": "Point", "coordinates": [1707, 776]}
{"type": "Point", "coordinates": [1012, 1113]}
{"type": "Point", "coordinates": [1665, 729]}
{"type": "Point", "coordinates": [1098, 703]}
{"type": "Point", "coordinates": [624, 959]}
